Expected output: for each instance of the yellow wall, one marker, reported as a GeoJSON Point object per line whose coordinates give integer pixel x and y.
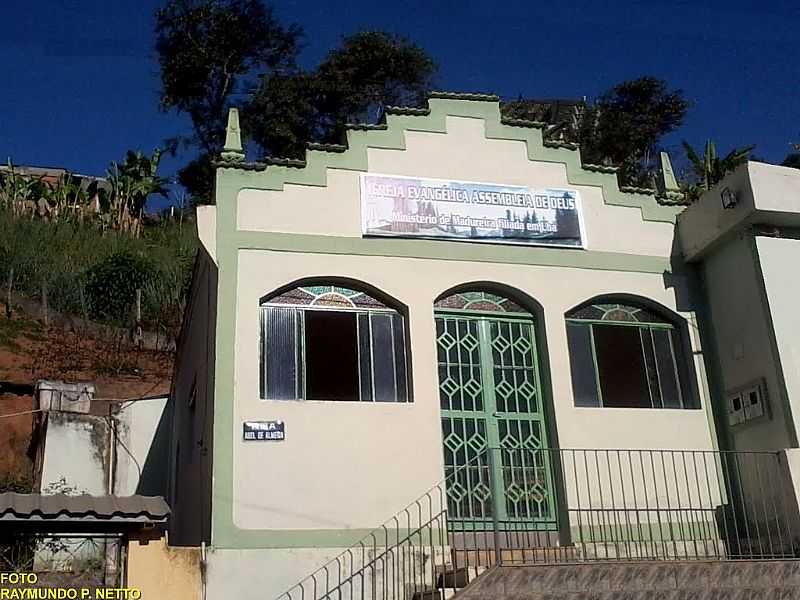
{"type": "Point", "coordinates": [162, 571]}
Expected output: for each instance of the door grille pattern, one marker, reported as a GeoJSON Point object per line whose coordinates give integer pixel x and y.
{"type": "Point", "coordinates": [527, 480]}
{"type": "Point", "coordinates": [460, 377]}
{"type": "Point", "coordinates": [469, 490]}
{"type": "Point", "coordinates": [514, 373]}
{"type": "Point", "coordinates": [490, 398]}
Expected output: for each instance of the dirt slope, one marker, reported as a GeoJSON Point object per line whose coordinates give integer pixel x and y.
{"type": "Point", "coordinates": [29, 352]}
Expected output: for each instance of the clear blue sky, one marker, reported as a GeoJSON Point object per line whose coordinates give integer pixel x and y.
{"type": "Point", "coordinates": [80, 79]}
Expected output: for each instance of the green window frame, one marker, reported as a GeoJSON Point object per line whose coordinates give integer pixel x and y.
{"type": "Point", "coordinates": [628, 356]}
{"type": "Point", "coordinates": [379, 345]}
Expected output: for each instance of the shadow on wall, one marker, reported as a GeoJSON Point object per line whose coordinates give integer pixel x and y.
{"type": "Point", "coordinates": [153, 481]}
{"type": "Point", "coordinates": [682, 278]}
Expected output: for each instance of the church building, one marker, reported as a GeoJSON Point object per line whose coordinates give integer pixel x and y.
{"type": "Point", "coordinates": [376, 319]}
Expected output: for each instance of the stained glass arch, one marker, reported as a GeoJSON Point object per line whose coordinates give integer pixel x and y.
{"type": "Point", "coordinates": [617, 312]}
{"type": "Point", "coordinates": [326, 296]}
{"type": "Point", "coordinates": [481, 301]}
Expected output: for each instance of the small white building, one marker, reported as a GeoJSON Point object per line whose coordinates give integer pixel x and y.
{"type": "Point", "coordinates": [452, 301]}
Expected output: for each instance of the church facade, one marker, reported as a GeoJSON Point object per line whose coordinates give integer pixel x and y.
{"type": "Point", "coordinates": [369, 322]}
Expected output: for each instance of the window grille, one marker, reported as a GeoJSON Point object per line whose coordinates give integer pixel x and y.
{"type": "Point", "coordinates": [328, 342]}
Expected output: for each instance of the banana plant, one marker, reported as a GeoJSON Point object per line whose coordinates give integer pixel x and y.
{"type": "Point", "coordinates": [132, 182]}
{"type": "Point", "coordinates": [64, 200]}
{"type": "Point", "coordinates": [709, 169]}
{"type": "Point", "coordinates": [19, 193]}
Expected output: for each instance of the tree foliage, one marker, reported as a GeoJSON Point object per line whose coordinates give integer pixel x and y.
{"type": "Point", "coordinates": [622, 127]}
{"type": "Point", "coordinates": [94, 273]}
{"type": "Point", "coordinates": [208, 50]}
{"type": "Point", "coordinates": [197, 177]}
{"type": "Point", "coordinates": [63, 199]}
{"type": "Point", "coordinates": [562, 116]}
{"type": "Point", "coordinates": [709, 169]}
{"type": "Point", "coordinates": [625, 125]}
{"type": "Point", "coordinates": [111, 285]}
{"type": "Point", "coordinates": [65, 239]}
{"type": "Point", "coordinates": [131, 183]}
{"type": "Point", "coordinates": [118, 202]}
{"type": "Point", "coordinates": [793, 158]}
{"type": "Point", "coordinates": [352, 84]}
{"type": "Point", "coordinates": [283, 115]}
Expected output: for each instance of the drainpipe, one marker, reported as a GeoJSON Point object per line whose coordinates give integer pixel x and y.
{"type": "Point", "coordinates": [112, 454]}
{"type": "Point", "coordinates": [203, 568]}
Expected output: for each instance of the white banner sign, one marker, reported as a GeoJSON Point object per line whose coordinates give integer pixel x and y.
{"type": "Point", "coordinates": [432, 208]}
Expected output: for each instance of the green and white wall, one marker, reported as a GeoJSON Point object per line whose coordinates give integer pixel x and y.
{"type": "Point", "coordinates": [280, 509]}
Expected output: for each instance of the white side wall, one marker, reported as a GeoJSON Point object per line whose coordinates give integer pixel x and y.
{"type": "Point", "coordinates": [76, 450]}
{"type": "Point", "coordinates": [744, 340]}
{"type": "Point", "coordinates": [779, 260]}
{"type": "Point", "coordinates": [137, 426]}
{"type": "Point", "coordinates": [191, 410]}
{"type": "Point", "coordinates": [261, 574]}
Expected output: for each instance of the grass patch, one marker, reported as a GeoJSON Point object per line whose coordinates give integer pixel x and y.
{"type": "Point", "coordinates": [12, 330]}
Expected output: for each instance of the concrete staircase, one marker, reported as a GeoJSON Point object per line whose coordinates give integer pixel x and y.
{"type": "Point", "coordinates": [465, 566]}
{"type": "Point", "coordinates": [695, 580]}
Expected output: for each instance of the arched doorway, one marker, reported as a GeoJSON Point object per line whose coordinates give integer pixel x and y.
{"type": "Point", "coordinates": [494, 435]}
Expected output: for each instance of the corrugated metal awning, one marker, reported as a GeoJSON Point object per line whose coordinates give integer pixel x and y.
{"type": "Point", "coordinates": [84, 509]}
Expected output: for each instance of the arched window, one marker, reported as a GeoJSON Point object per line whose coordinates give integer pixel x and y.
{"type": "Point", "coordinates": [624, 355]}
{"type": "Point", "coordinates": [326, 342]}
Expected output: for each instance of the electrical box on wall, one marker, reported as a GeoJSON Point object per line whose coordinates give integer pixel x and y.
{"type": "Point", "coordinates": [747, 403]}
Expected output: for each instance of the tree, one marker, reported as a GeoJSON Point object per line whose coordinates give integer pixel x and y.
{"type": "Point", "coordinates": [371, 70]}
{"type": "Point", "coordinates": [282, 115]}
{"type": "Point", "coordinates": [207, 49]}
{"type": "Point", "coordinates": [562, 116]}
{"type": "Point", "coordinates": [197, 177]}
{"type": "Point", "coordinates": [624, 126]}
{"type": "Point", "coordinates": [793, 158]}
{"type": "Point", "coordinates": [353, 84]}
{"type": "Point", "coordinates": [132, 182]}
{"type": "Point", "coordinates": [112, 284]}
{"type": "Point", "coordinates": [709, 169]}
{"type": "Point", "coordinates": [20, 193]}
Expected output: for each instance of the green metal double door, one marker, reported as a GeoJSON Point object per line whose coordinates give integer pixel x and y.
{"type": "Point", "coordinates": [496, 454]}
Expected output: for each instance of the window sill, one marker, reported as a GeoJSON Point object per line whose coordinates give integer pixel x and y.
{"type": "Point", "coordinates": [640, 408]}
{"type": "Point", "coordinates": [332, 402]}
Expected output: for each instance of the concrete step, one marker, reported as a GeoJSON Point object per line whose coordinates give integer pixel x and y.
{"type": "Point", "coordinates": [430, 594]}
{"type": "Point", "coordinates": [665, 580]}
{"type": "Point", "coordinates": [450, 577]}
{"type": "Point", "coordinates": [772, 593]}
{"type": "Point", "coordinates": [427, 594]}
{"type": "Point", "coordinates": [544, 555]}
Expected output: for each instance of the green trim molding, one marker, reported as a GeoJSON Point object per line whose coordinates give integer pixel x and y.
{"type": "Point", "coordinates": [456, 250]}
{"type": "Point", "coordinates": [235, 175]}
{"type": "Point", "coordinates": [353, 157]}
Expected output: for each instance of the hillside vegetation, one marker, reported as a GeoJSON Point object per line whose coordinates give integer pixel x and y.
{"type": "Point", "coordinates": [93, 253]}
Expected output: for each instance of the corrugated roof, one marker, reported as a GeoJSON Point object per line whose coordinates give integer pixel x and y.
{"type": "Point", "coordinates": [61, 507]}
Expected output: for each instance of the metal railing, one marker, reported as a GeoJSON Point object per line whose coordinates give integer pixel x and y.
{"type": "Point", "coordinates": [511, 506]}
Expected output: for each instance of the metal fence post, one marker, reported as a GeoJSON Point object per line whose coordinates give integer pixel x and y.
{"type": "Point", "coordinates": [496, 494]}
